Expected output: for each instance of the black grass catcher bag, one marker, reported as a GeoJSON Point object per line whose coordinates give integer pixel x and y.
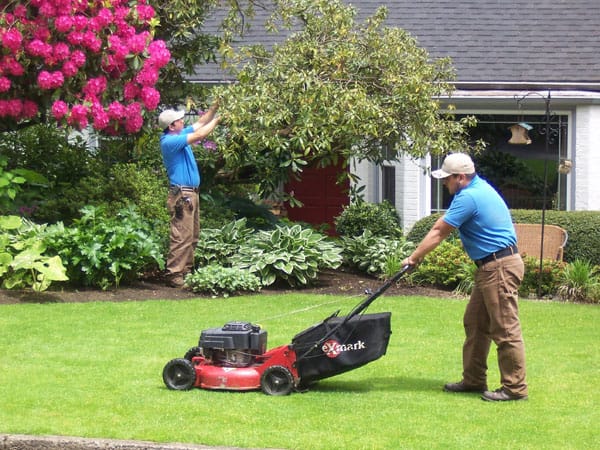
{"type": "Point", "coordinates": [339, 344]}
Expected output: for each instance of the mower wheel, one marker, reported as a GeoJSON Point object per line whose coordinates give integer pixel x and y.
{"type": "Point", "coordinates": [179, 375]}
{"type": "Point", "coordinates": [194, 351]}
{"type": "Point", "coordinates": [277, 380]}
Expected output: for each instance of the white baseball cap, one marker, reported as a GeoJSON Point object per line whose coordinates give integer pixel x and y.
{"type": "Point", "coordinates": [168, 116]}
{"type": "Point", "coordinates": [455, 163]}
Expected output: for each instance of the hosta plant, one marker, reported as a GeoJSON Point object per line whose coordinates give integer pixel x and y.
{"type": "Point", "coordinates": [222, 281]}
{"type": "Point", "coordinates": [24, 262]}
{"type": "Point", "coordinates": [216, 246]}
{"type": "Point", "coordinates": [294, 255]}
{"type": "Point", "coordinates": [375, 255]}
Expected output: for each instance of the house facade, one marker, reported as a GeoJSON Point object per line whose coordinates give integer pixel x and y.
{"type": "Point", "coordinates": [535, 64]}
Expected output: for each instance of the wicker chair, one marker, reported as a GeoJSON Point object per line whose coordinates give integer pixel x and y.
{"type": "Point", "coordinates": [529, 238]}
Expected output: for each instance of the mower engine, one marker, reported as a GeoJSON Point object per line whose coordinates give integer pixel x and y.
{"type": "Point", "coordinates": [236, 344]}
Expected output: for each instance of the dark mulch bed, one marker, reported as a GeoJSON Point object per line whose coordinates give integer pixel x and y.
{"type": "Point", "coordinates": [337, 282]}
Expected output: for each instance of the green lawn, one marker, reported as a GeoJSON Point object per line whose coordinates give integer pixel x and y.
{"type": "Point", "coordinates": [94, 370]}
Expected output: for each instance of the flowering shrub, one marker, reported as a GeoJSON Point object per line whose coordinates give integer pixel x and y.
{"type": "Point", "coordinates": [87, 63]}
{"type": "Point", "coordinates": [547, 284]}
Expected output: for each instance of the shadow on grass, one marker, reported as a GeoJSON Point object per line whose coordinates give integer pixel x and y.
{"type": "Point", "coordinates": [390, 384]}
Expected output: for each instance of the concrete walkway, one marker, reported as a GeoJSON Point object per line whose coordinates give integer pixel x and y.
{"type": "Point", "coordinates": [25, 442]}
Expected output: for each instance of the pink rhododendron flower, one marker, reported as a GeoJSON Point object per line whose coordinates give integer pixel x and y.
{"type": "Point", "coordinates": [5, 84]}
{"type": "Point", "coordinates": [47, 9]}
{"type": "Point", "coordinates": [69, 69]}
{"type": "Point", "coordinates": [59, 109]}
{"type": "Point", "coordinates": [80, 22]}
{"type": "Point", "coordinates": [30, 109]}
{"type": "Point", "coordinates": [92, 43]}
{"type": "Point", "coordinates": [10, 66]}
{"type": "Point", "coordinates": [61, 51]}
{"type": "Point", "coordinates": [11, 108]}
{"type": "Point", "coordinates": [116, 111]}
{"type": "Point", "coordinates": [150, 97]}
{"type": "Point", "coordinates": [78, 58]}
{"type": "Point", "coordinates": [63, 24]}
{"type": "Point", "coordinates": [104, 17]}
{"type": "Point", "coordinates": [47, 80]}
{"type": "Point", "coordinates": [79, 116]}
{"type": "Point", "coordinates": [12, 40]}
{"type": "Point", "coordinates": [145, 12]}
{"type": "Point", "coordinates": [95, 87]}
{"type": "Point", "coordinates": [39, 48]}
{"type": "Point", "coordinates": [159, 54]}
{"type": "Point", "coordinates": [148, 76]}
{"type": "Point", "coordinates": [133, 118]}
{"type": "Point", "coordinates": [130, 91]}
{"type": "Point", "coordinates": [101, 119]}
{"type": "Point", "coordinates": [75, 38]}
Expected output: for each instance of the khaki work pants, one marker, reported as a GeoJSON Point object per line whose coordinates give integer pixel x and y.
{"type": "Point", "coordinates": [492, 314]}
{"type": "Point", "coordinates": [184, 210]}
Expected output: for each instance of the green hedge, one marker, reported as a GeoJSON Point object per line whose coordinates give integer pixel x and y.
{"type": "Point", "coordinates": [583, 228]}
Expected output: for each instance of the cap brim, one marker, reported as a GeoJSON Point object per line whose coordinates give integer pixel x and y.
{"type": "Point", "coordinates": [440, 174]}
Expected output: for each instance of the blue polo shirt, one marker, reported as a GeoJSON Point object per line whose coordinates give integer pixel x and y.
{"type": "Point", "coordinates": [482, 218]}
{"type": "Point", "coordinates": [179, 160]}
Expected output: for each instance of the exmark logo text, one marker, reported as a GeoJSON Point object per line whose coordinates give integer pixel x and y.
{"type": "Point", "coordinates": [333, 348]}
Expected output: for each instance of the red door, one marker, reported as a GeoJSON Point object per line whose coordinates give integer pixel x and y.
{"type": "Point", "coordinates": [322, 197]}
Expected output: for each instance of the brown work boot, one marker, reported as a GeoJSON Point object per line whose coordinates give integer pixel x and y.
{"type": "Point", "coordinates": [462, 387]}
{"type": "Point", "coordinates": [501, 395]}
{"type": "Point", "coordinates": [175, 281]}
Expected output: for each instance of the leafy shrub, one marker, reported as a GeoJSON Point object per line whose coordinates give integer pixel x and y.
{"type": "Point", "coordinates": [467, 278]}
{"type": "Point", "coordinates": [61, 163]}
{"type": "Point", "coordinates": [217, 246]}
{"type": "Point", "coordinates": [447, 265]}
{"type": "Point", "coordinates": [11, 183]}
{"type": "Point", "coordinates": [421, 227]}
{"type": "Point", "coordinates": [381, 219]}
{"type": "Point", "coordinates": [548, 285]}
{"type": "Point", "coordinates": [23, 259]}
{"type": "Point", "coordinates": [293, 254]}
{"type": "Point", "coordinates": [102, 251]}
{"type": "Point", "coordinates": [220, 280]}
{"type": "Point", "coordinates": [375, 255]}
{"type": "Point", "coordinates": [579, 281]}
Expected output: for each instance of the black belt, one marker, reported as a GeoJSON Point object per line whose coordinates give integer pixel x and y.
{"type": "Point", "coordinates": [511, 250]}
{"type": "Point", "coordinates": [185, 188]}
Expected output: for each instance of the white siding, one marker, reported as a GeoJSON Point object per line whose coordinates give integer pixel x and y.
{"type": "Point", "coordinates": [587, 158]}
{"type": "Point", "coordinates": [413, 191]}
{"type": "Point", "coordinates": [413, 188]}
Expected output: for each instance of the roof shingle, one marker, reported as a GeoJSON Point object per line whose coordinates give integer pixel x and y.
{"type": "Point", "coordinates": [492, 41]}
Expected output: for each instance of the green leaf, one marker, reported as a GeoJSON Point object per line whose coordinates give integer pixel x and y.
{"type": "Point", "coordinates": [10, 222]}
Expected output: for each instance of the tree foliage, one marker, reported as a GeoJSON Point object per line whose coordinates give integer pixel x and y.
{"type": "Point", "coordinates": [183, 27]}
{"type": "Point", "coordinates": [333, 90]}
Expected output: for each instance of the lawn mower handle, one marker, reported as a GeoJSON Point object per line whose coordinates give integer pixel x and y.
{"type": "Point", "coordinates": [384, 287]}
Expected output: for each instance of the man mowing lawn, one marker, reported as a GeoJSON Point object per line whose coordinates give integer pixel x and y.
{"type": "Point", "coordinates": [488, 236]}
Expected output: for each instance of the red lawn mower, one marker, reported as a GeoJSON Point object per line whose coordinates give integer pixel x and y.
{"type": "Point", "coordinates": [234, 357]}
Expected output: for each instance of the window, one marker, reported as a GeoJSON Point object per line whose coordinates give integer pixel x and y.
{"type": "Point", "coordinates": [525, 175]}
{"type": "Point", "coordinates": [388, 183]}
